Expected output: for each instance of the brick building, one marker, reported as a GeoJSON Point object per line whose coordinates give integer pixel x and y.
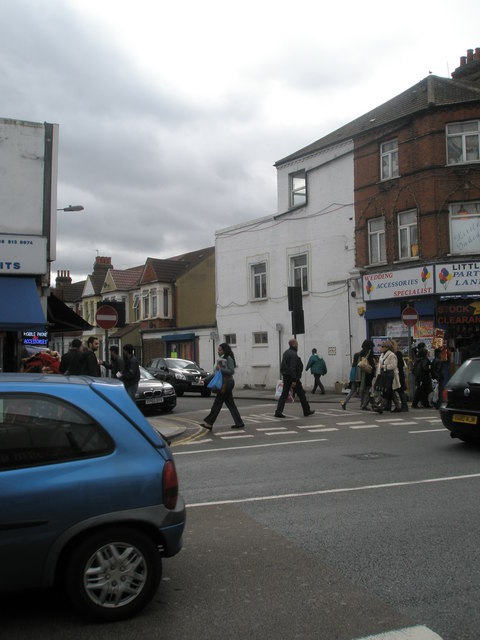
{"type": "Point", "coordinates": [417, 211]}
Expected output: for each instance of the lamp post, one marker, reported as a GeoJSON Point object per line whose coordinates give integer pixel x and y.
{"type": "Point", "coordinates": [70, 208]}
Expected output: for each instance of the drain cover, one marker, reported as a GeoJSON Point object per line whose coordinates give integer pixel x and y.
{"type": "Point", "coordinates": [373, 455]}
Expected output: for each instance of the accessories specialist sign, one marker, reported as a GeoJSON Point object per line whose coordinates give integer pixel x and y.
{"type": "Point", "coordinates": [405, 283]}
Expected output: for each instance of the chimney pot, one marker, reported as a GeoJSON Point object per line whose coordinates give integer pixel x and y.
{"type": "Point", "coordinates": [463, 61]}
{"type": "Point", "coordinates": [469, 55]}
{"type": "Point", "coordinates": [476, 55]}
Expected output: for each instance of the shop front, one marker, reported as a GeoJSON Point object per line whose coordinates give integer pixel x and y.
{"type": "Point", "coordinates": [458, 308]}
{"type": "Point", "coordinates": [446, 298]}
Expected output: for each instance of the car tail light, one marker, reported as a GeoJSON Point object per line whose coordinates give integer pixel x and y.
{"type": "Point", "coordinates": [445, 395]}
{"type": "Point", "coordinates": [170, 485]}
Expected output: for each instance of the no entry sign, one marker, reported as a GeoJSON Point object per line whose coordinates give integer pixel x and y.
{"type": "Point", "coordinates": [410, 316]}
{"type": "Point", "coordinates": [106, 317]}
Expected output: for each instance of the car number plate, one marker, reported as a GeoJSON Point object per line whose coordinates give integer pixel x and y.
{"type": "Point", "coordinates": [153, 400]}
{"type": "Point", "coordinates": [197, 384]}
{"type": "Point", "coordinates": [458, 417]}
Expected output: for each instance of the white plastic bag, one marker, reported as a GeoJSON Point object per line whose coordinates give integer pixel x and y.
{"type": "Point", "coordinates": [278, 389]}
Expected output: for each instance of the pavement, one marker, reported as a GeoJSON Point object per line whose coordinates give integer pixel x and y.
{"type": "Point", "coordinates": [170, 431]}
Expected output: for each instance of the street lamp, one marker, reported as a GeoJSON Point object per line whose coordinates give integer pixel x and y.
{"type": "Point", "coordinates": [74, 207]}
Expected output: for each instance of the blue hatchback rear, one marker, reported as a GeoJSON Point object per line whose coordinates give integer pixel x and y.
{"type": "Point", "coordinates": [89, 493]}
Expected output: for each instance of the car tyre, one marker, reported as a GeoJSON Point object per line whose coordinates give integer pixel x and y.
{"type": "Point", "coordinates": [113, 574]}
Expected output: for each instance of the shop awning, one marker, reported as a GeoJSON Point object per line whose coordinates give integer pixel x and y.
{"type": "Point", "coordinates": [20, 307]}
{"type": "Point", "coordinates": [61, 318]}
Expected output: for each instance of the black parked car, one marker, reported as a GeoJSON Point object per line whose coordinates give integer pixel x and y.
{"type": "Point", "coordinates": [153, 394]}
{"type": "Point", "coordinates": [184, 375]}
{"type": "Point", "coordinates": [460, 409]}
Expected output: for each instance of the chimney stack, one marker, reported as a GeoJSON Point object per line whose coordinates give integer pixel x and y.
{"type": "Point", "coordinates": [469, 69]}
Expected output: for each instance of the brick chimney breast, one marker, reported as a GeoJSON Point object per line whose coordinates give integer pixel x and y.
{"type": "Point", "coordinates": [469, 69]}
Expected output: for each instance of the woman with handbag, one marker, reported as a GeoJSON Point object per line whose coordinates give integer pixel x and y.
{"type": "Point", "coordinates": [354, 379]}
{"type": "Point", "coordinates": [367, 366]}
{"type": "Point", "coordinates": [226, 364]}
{"type": "Point", "coordinates": [387, 381]}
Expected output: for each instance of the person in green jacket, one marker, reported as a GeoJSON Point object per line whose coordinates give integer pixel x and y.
{"type": "Point", "coordinates": [318, 368]}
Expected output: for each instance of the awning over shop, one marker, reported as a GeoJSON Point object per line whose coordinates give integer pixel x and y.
{"type": "Point", "coordinates": [179, 337]}
{"type": "Point", "coordinates": [61, 318]}
{"type": "Point", "coordinates": [20, 307]}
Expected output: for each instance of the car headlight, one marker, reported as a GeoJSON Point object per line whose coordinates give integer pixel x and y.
{"type": "Point", "coordinates": [180, 376]}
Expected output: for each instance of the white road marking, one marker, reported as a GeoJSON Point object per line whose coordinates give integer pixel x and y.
{"type": "Point", "coordinates": [347, 424]}
{"type": "Point", "coordinates": [324, 492]}
{"type": "Point", "coordinates": [236, 436]}
{"type": "Point", "coordinates": [271, 428]}
{"type": "Point", "coordinates": [278, 433]}
{"type": "Point", "coordinates": [251, 446]}
{"type": "Point", "coordinates": [264, 417]}
{"type": "Point", "coordinates": [430, 431]}
{"type": "Point", "coordinates": [322, 430]}
{"type": "Point", "coordinates": [310, 426]}
{"type": "Point", "coordinates": [389, 419]}
{"type": "Point", "coordinates": [419, 632]}
{"type": "Point", "coordinates": [366, 426]}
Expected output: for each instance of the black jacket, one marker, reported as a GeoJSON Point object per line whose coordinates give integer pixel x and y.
{"type": "Point", "coordinates": [71, 363]}
{"type": "Point", "coordinates": [292, 365]}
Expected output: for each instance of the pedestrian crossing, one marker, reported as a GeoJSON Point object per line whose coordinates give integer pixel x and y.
{"type": "Point", "coordinates": [263, 424]}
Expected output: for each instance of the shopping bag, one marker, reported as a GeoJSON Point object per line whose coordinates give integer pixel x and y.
{"type": "Point", "coordinates": [278, 389]}
{"type": "Point", "coordinates": [290, 397]}
{"type": "Point", "coordinates": [215, 383]}
{"type": "Point", "coordinates": [383, 382]}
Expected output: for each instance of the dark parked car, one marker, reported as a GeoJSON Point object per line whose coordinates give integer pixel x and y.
{"type": "Point", "coordinates": [460, 409]}
{"type": "Point", "coordinates": [184, 375]}
{"type": "Point", "coordinates": [153, 394]}
{"type": "Point", "coordinates": [89, 493]}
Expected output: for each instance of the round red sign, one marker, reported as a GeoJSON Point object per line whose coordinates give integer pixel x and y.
{"type": "Point", "coordinates": [410, 316]}
{"type": "Point", "coordinates": [106, 317]}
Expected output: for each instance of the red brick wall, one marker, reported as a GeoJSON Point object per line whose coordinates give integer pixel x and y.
{"type": "Point", "coordinates": [425, 183]}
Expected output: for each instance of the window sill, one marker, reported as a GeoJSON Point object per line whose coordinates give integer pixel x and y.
{"type": "Point", "coordinates": [410, 259]}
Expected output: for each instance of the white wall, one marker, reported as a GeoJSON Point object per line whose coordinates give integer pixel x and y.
{"type": "Point", "coordinates": [325, 230]}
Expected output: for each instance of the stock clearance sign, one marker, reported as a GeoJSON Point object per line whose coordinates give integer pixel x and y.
{"type": "Point", "coordinates": [407, 283]}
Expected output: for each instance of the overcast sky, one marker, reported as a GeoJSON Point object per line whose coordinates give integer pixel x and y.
{"type": "Point", "coordinates": [172, 114]}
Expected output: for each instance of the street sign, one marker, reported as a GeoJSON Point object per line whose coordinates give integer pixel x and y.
{"type": "Point", "coordinates": [410, 316]}
{"type": "Point", "coordinates": [106, 317]}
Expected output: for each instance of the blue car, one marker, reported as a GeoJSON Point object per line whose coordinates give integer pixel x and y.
{"type": "Point", "coordinates": [88, 492]}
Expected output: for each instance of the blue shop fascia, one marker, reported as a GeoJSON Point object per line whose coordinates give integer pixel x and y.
{"type": "Point", "coordinates": [446, 297]}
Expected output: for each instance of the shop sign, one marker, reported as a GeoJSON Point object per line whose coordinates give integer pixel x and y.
{"type": "Point", "coordinates": [20, 255]}
{"type": "Point", "coordinates": [35, 338]}
{"type": "Point", "coordinates": [459, 312]}
{"type": "Point", "coordinates": [406, 283]}
{"type": "Point", "coordinates": [457, 277]}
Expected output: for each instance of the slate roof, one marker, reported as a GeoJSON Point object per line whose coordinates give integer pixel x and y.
{"type": "Point", "coordinates": [125, 279]}
{"type": "Point", "coordinates": [432, 91]}
{"type": "Point", "coordinates": [97, 283]}
{"type": "Point", "coordinates": [72, 291]}
{"type": "Point", "coordinates": [168, 270]}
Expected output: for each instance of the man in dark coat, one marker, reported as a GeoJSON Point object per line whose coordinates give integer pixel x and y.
{"type": "Point", "coordinates": [291, 370]}
{"type": "Point", "coordinates": [131, 372]}
{"type": "Point", "coordinates": [91, 363]}
{"type": "Point", "coordinates": [116, 364]}
{"type": "Point", "coordinates": [71, 362]}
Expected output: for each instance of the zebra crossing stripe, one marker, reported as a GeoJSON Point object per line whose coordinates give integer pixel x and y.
{"type": "Point", "coordinates": [419, 632]}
